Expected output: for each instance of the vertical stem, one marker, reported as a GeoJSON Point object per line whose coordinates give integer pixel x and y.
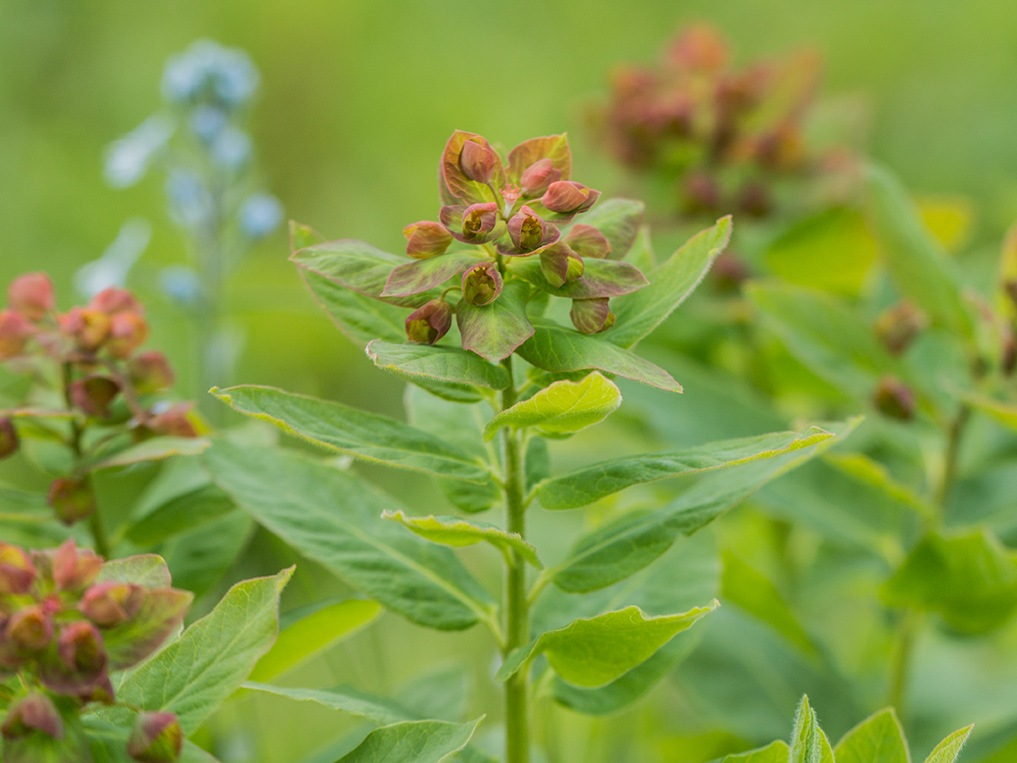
{"type": "Point", "coordinates": [909, 625]}
{"type": "Point", "coordinates": [517, 620]}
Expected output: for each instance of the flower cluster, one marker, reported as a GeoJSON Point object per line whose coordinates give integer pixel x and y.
{"type": "Point", "coordinates": [96, 388]}
{"type": "Point", "coordinates": [67, 620]}
{"type": "Point", "coordinates": [507, 222]}
{"type": "Point", "coordinates": [726, 134]}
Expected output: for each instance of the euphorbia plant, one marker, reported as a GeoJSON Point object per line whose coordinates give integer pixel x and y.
{"type": "Point", "coordinates": [535, 252]}
{"type": "Point", "coordinates": [83, 395]}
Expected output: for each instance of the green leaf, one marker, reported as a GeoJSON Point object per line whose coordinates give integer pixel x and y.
{"type": "Point", "coordinates": [360, 318]}
{"type": "Point", "coordinates": [601, 278]}
{"type": "Point", "coordinates": [313, 634]}
{"type": "Point", "coordinates": [148, 570]}
{"type": "Point", "coordinates": [346, 699]}
{"type": "Point", "coordinates": [445, 364]}
{"type": "Point", "coordinates": [919, 267]}
{"type": "Point", "coordinates": [621, 547]}
{"type": "Point", "coordinates": [949, 749]}
{"type": "Point", "coordinates": [871, 472]}
{"type": "Point", "coordinates": [776, 752]}
{"type": "Point", "coordinates": [1004, 413]}
{"type": "Point", "coordinates": [969, 579]}
{"type": "Point", "coordinates": [423, 275]}
{"type": "Point", "coordinates": [636, 315]}
{"type": "Point", "coordinates": [562, 351]}
{"type": "Point", "coordinates": [877, 739]}
{"type": "Point", "coordinates": [413, 742]}
{"type": "Point", "coordinates": [494, 331]}
{"type": "Point", "coordinates": [824, 334]}
{"type": "Point", "coordinates": [180, 514]}
{"type": "Point", "coordinates": [454, 531]}
{"type": "Point", "coordinates": [200, 557]}
{"type": "Point", "coordinates": [358, 266]}
{"type": "Point", "coordinates": [348, 430]}
{"type": "Point", "coordinates": [562, 408]}
{"type": "Point", "coordinates": [201, 669]}
{"type": "Point", "coordinates": [808, 742]}
{"type": "Point", "coordinates": [618, 220]}
{"type": "Point", "coordinates": [594, 651]}
{"type": "Point", "coordinates": [332, 516]}
{"type": "Point", "coordinates": [585, 486]}
{"type": "Point", "coordinates": [155, 449]}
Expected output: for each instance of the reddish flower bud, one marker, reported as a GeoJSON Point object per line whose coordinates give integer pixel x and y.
{"type": "Point", "coordinates": [93, 395]}
{"type": "Point", "coordinates": [429, 322]}
{"type": "Point", "coordinates": [9, 441]}
{"type": "Point", "coordinates": [128, 331]}
{"type": "Point", "coordinates": [587, 241]}
{"type": "Point", "coordinates": [30, 629]}
{"type": "Point", "coordinates": [150, 372]}
{"type": "Point", "coordinates": [17, 573]}
{"type": "Point", "coordinates": [175, 421]}
{"type": "Point", "coordinates": [114, 301]}
{"type": "Point", "coordinates": [482, 284]}
{"type": "Point", "coordinates": [72, 499]}
{"type": "Point", "coordinates": [157, 738]}
{"type": "Point", "coordinates": [782, 149]}
{"type": "Point", "coordinates": [569, 197]}
{"type": "Point", "coordinates": [15, 331]}
{"type": "Point", "coordinates": [74, 569]}
{"type": "Point", "coordinates": [32, 295]}
{"type": "Point", "coordinates": [702, 195]}
{"type": "Point", "coordinates": [89, 328]}
{"type": "Point", "coordinates": [894, 399]}
{"type": "Point", "coordinates": [109, 604]}
{"type": "Point", "coordinates": [728, 272]}
{"type": "Point", "coordinates": [477, 161]}
{"type": "Point", "coordinates": [526, 230]}
{"type": "Point", "coordinates": [479, 220]}
{"type": "Point", "coordinates": [560, 265]}
{"type": "Point", "coordinates": [754, 200]}
{"type": "Point", "coordinates": [898, 326]}
{"type": "Point", "coordinates": [426, 239]}
{"type": "Point", "coordinates": [591, 316]}
{"type": "Point", "coordinates": [700, 49]}
{"type": "Point", "coordinates": [33, 712]}
{"type": "Point", "coordinates": [80, 663]}
{"type": "Point", "coordinates": [1008, 354]}
{"type": "Point", "coordinates": [538, 176]}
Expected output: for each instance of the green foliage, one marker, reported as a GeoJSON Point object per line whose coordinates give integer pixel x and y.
{"type": "Point", "coordinates": [413, 742]}
{"type": "Point", "coordinates": [562, 408]}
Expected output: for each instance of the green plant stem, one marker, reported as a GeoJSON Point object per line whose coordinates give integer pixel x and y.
{"type": "Point", "coordinates": [953, 442]}
{"type": "Point", "coordinates": [517, 620]}
{"type": "Point", "coordinates": [902, 659]}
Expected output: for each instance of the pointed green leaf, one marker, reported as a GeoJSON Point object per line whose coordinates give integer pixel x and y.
{"type": "Point", "coordinates": [413, 742]}
{"type": "Point", "coordinates": [180, 514]}
{"type": "Point", "coordinates": [332, 516]}
{"type": "Point", "coordinates": [877, 739]}
{"type": "Point", "coordinates": [563, 351]}
{"type": "Point", "coordinates": [636, 315]}
{"type": "Point", "coordinates": [349, 430]}
{"type": "Point", "coordinates": [949, 749]}
{"type": "Point", "coordinates": [201, 669]}
{"type": "Point", "coordinates": [873, 473]}
{"type": "Point", "coordinates": [1004, 413]}
{"type": "Point", "coordinates": [594, 651]}
{"type": "Point", "coordinates": [310, 635]}
{"type": "Point", "coordinates": [601, 278]}
{"type": "Point", "coordinates": [422, 275]}
{"type": "Point", "coordinates": [346, 699]}
{"type": "Point", "coordinates": [360, 318]}
{"type": "Point", "coordinates": [148, 570]}
{"type": "Point", "coordinates": [455, 531]}
{"type": "Point", "coordinates": [619, 221]}
{"type": "Point", "coordinates": [494, 331]}
{"type": "Point", "coordinates": [445, 364]}
{"type": "Point", "coordinates": [587, 485]}
{"type": "Point", "coordinates": [775, 752]}
{"type": "Point", "coordinates": [808, 742]}
{"type": "Point", "coordinates": [562, 408]}
{"type": "Point", "coordinates": [156, 449]}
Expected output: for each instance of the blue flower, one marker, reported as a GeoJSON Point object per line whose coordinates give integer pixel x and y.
{"type": "Point", "coordinates": [260, 214]}
{"type": "Point", "coordinates": [232, 149]}
{"type": "Point", "coordinates": [207, 122]}
{"type": "Point", "coordinates": [128, 158]}
{"type": "Point", "coordinates": [181, 284]}
{"type": "Point", "coordinates": [207, 72]}
{"type": "Point", "coordinates": [190, 202]}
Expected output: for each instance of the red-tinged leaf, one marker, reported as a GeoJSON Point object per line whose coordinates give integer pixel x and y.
{"type": "Point", "coordinates": [422, 275]}
{"type": "Point", "coordinates": [553, 147]}
{"type": "Point", "coordinates": [161, 614]}
{"type": "Point", "coordinates": [601, 278]}
{"type": "Point", "coordinates": [618, 220]}
{"type": "Point", "coordinates": [494, 331]}
{"type": "Point", "coordinates": [455, 182]}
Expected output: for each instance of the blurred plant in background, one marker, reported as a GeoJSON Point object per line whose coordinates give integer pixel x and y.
{"type": "Point", "coordinates": [212, 191]}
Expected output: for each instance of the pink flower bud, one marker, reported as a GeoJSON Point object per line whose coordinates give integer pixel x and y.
{"type": "Point", "coordinates": [93, 395]}
{"type": "Point", "coordinates": [729, 272]}
{"type": "Point", "coordinates": [30, 629]}
{"type": "Point", "coordinates": [17, 573]}
{"type": "Point", "coordinates": [898, 326]}
{"type": "Point", "coordinates": [74, 569]}
{"type": "Point", "coordinates": [33, 712]}
{"type": "Point", "coordinates": [128, 331]}
{"type": "Point", "coordinates": [479, 220]}
{"type": "Point", "coordinates": [110, 604]}
{"type": "Point", "coordinates": [114, 301]}
{"type": "Point", "coordinates": [699, 48]}
{"type": "Point", "coordinates": [32, 295]}
{"type": "Point", "coordinates": [560, 265]}
{"type": "Point", "coordinates": [754, 200]}
{"type": "Point", "coordinates": [894, 399]}
{"type": "Point", "coordinates": [81, 648]}
{"type": "Point", "coordinates": [157, 738]}
{"type": "Point", "coordinates": [482, 284]}
{"type": "Point", "coordinates": [175, 421]}
{"type": "Point", "coordinates": [429, 322]}
{"type": "Point", "coordinates": [587, 241]}
{"type": "Point", "coordinates": [88, 328]}
{"type": "Point", "coordinates": [477, 161]}
{"type": "Point", "coordinates": [702, 195]}
{"type": "Point", "coordinates": [426, 239]}
{"type": "Point", "coordinates": [591, 316]}
{"type": "Point", "coordinates": [150, 372]}
{"type": "Point", "coordinates": [72, 499]}
{"type": "Point", "coordinates": [569, 197]}
{"type": "Point", "coordinates": [526, 229]}
{"type": "Point", "coordinates": [15, 331]}
{"type": "Point", "coordinates": [9, 441]}
{"type": "Point", "coordinates": [538, 176]}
